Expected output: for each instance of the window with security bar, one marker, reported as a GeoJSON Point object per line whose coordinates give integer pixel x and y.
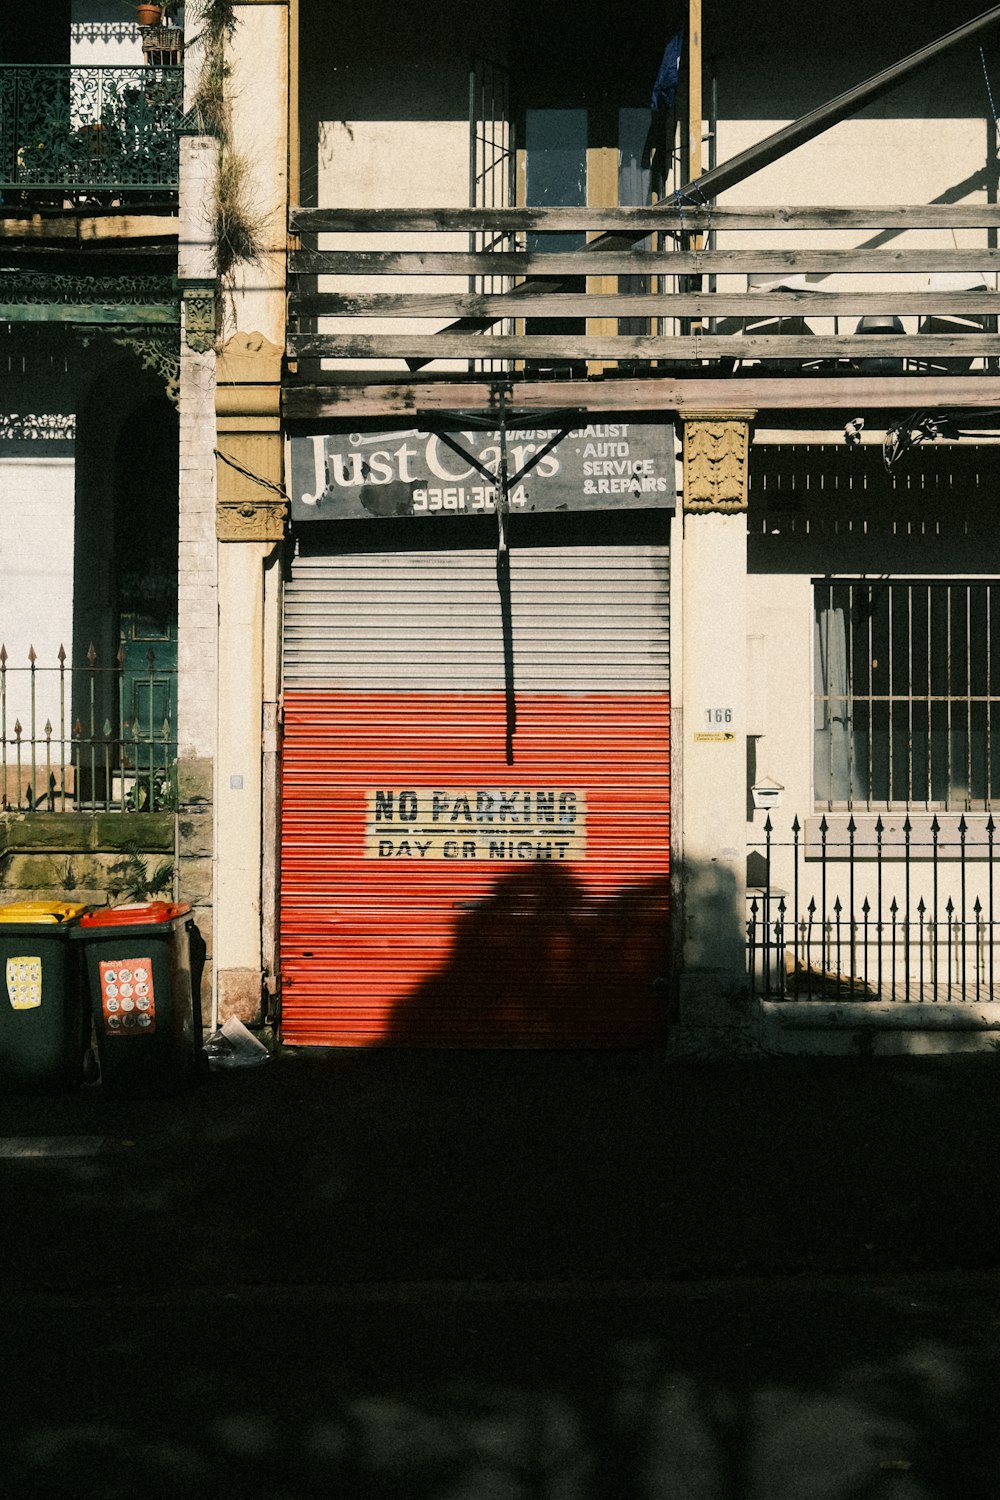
{"type": "Point", "coordinates": [907, 698]}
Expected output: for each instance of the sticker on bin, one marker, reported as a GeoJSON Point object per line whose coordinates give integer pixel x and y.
{"type": "Point", "coordinates": [24, 982]}
{"type": "Point", "coordinates": [127, 1001]}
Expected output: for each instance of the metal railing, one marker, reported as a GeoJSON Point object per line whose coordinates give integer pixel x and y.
{"type": "Point", "coordinates": [89, 129]}
{"type": "Point", "coordinates": [896, 911]}
{"type": "Point", "coordinates": [908, 704]}
{"type": "Point", "coordinates": [90, 737]}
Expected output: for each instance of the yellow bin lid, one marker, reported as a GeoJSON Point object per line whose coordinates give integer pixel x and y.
{"type": "Point", "coordinates": [42, 912]}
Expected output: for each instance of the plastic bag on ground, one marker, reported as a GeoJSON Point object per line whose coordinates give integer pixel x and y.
{"type": "Point", "coordinates": [235, 1046]}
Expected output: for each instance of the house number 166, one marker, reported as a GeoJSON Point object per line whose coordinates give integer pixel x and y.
{"type": "Point", "coordinates": [718, 716]}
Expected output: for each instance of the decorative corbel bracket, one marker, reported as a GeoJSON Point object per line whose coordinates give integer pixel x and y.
{"type": "Point", "coordinates": [201, 316]}
{"type": "Point", "coordinates": [716, 453]}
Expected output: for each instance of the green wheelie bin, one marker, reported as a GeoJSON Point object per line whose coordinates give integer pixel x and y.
{"type": "Point", "coordinates": [146, 1014]}
{"type": "Point", "coordinates": [44, 1015]}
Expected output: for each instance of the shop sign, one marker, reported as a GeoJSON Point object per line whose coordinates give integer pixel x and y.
{"type": "Point", "coordinates": [475, 823]}
{"type": "Point", "coordinates": [355, 475]}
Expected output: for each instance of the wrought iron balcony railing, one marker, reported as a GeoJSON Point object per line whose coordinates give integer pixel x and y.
{"type": "Point", "coordinates": [89, 130]}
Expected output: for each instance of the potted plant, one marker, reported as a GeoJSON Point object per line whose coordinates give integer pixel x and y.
{"type": "Point", "coordinates": [154, 15]}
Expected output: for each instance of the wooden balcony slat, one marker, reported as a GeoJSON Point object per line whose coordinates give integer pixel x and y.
{"type": "Point", "coordinates": [754, 306]}
{"type": "Point", "coordinates": [579, 347]}
{"type": "Point", "coordinates": [636, 262]}
{"type": "Point", "coordinates": [666, 215]}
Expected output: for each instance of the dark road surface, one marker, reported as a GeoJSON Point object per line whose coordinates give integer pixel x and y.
{"type": "Point", "coordinates": [482, 1276]}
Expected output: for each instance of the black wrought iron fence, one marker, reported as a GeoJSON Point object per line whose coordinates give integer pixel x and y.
{"type": "Point", "coordinates": [88, 737]}
{"type": "Point", "coordinates": [885, 909]}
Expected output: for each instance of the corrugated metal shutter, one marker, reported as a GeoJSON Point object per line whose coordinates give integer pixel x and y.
{"type": "Point", "coordinates": [536, 911]}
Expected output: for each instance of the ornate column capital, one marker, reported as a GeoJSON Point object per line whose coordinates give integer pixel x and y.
{"type": "Point", "coordinates": [716, 451]}
{"type": "Point", "coordinates": [251, 520]}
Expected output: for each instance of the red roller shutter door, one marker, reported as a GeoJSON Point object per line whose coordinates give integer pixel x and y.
{"type": "Point", "coordinates": [431, 892]}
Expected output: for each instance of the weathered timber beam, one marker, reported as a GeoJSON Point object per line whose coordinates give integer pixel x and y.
{"type": "Point", "coordinates": [121, 228]}
{"type": "Point", "coordinates": [636, 262]}
{"type": "Point", "coordinates": [827, 396]}
{"type": "Point", "coordinates": [694, 346]}
{"type": "Point", "coordinates": [665, 216]}
{"type": "Point", "coordinates": [752, 305]}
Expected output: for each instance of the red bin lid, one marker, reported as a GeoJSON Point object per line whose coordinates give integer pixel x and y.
{"type": "Point", "coordinates": [135, 913]}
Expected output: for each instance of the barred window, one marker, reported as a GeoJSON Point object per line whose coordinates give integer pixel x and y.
{"type": "Point", "coordinates": [906, 700]}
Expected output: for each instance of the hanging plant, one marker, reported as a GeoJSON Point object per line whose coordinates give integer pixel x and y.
{"type": "Point", "coordinates": [238, 224]}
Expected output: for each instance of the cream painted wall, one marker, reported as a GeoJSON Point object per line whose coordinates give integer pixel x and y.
{"type": "Point", "coordinates": [257, 87]}
{"type": "Point", "coordinates": [238, 767]}
{"type": "Point", "coordinates": [402, 164]}
{"type": "Point", "coordinates": [36, 565]}
{"type": "Point", "coordinates": [391, 130]}
{"type": "Point", "coordinates": [923, 142]}
{"type": "Point", "coordinates": [713, 622]}
{"type": "Point", "coordinates": [104, 32]}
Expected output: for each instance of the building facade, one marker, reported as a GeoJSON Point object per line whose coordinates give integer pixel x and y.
{"type": "Point", "coordinates": [583, 600]}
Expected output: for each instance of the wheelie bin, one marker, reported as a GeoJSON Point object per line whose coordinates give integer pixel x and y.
{"type": "Point", "coordinates": [146, 1013]}
{"type": "Point", "coordinates": [44, 1015]}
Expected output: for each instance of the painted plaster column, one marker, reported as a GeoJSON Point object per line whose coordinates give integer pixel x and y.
{"type": "Point", "coordinates": [251, 520]}
{"type": "Point", "coordinates": [251, 516]}
{"type": "Point", "coordinates": [713, 718]}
